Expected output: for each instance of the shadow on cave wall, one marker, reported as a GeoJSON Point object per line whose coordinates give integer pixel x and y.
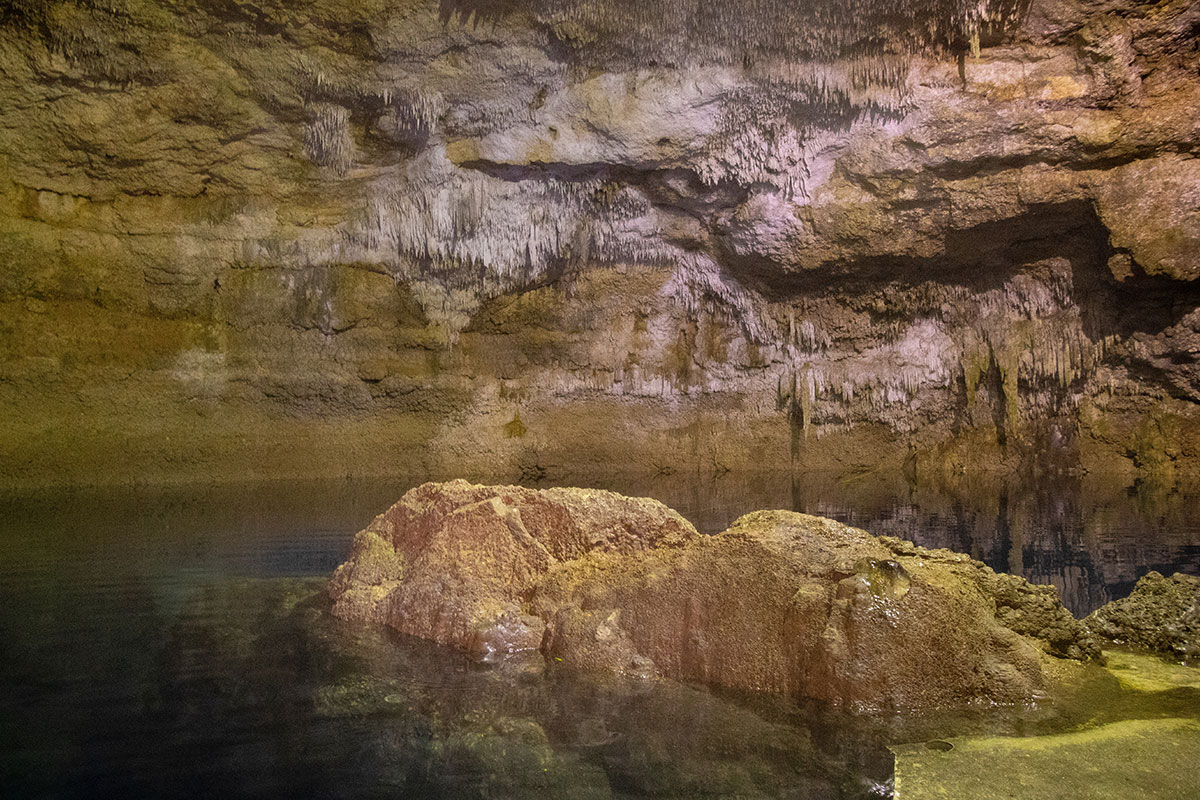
{"type": "Point", "coordinates": [986, 257]}
{"type": "Point", "coordinates": [1066, 248]}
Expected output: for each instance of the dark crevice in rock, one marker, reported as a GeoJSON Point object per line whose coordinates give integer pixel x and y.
{"type": "Point", "coordinates": [986, 256]}
{"type": "Point", "coordinates": [571, 173]}
{"type": "Point", "coordinates": [978, 258]}
{"type": "Point", "coordinates": [991, 165]}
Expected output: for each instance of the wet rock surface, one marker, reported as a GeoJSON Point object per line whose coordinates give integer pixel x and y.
{"type": "Point", "coordinates": [782, 602]}
{"type": "Point", "coordinates": [414, 717]}
{"type": "Point", "coordinates": [1094, 763]}
{"type": "Point", "coordinates": [1162, 614]}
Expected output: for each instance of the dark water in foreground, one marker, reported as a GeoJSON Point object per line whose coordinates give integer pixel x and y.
{"type": "Point", "coordinates": [174, 644]}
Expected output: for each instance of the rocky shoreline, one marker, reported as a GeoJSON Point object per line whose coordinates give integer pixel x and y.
{"type": "Point", "coordinates": [781, 601]}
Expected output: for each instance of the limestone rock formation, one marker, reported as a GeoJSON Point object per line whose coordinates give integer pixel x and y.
{"type": "Point", "coordinates": [1161, 614]}
{"type": "Point", "coordinates": [455, 563]}
{"type": "Point", "coordinates": [258, 238]}
{"type": "Point", "coordinates": [781, 601]}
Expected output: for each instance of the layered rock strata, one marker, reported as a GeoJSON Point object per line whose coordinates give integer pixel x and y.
{"type": "Point", "coordinates": [781, 601]}
{"type": "Point", "coordinates": [253, 238]}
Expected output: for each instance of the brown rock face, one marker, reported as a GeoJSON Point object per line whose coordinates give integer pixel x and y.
{"type": "Point", "coordinates": [454, 562]}
{"type": "Point", "coordinates": [781, 601]}
{"type": "Point", "coordinates": [249, 241]}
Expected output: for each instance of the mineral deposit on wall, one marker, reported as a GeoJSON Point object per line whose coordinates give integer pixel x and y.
{"type": "Point", "coordinates": [254, 237]}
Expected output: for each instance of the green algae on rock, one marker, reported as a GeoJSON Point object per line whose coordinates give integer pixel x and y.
{"type": "Point", "coordinates": [782, 602]}
{"type": "Point", "coordinates": [1134, 758]}
{"type": "Point", "coordinates": [1161, 614]}
{"type": "Point", "coordinates": [1151, 673]}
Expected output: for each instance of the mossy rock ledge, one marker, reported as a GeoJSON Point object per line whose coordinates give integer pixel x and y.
{"type": "Point", "coordinates": [1161, 614]}
{"type": "Point", "coordinates": [781, 601]}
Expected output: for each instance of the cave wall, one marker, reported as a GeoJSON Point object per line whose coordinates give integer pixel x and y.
{"type": "Point", "coordinates": [248, 238]}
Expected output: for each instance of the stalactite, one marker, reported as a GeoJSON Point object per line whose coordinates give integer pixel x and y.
{"type": "Point", "coordinates": [700, 286]}
{"type": "Point", "coordinates": [475, 235]}
{"type": "Point", "coordinates": [416, 110]}
{"type": "Point", "coordinates": [808, 395]}
{"type": "Point", "coordinates": [744, 31]}
{"type": "Point", "coordinates": [327, 139]}
{"type": "Point", "coordinates": [1031, 333]}
{"type": "Point", "coordinates": [821, 384]}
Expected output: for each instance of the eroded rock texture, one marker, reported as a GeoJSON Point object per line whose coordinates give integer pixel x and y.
{"type": "Point", "coordinates": [453, 562]}
{"type": "Point", "coordinates": [782, 602]}
{"type": "Point", "coordinates": [263, 238]}
{"type": "Point", "coordinates": [1162, 614]}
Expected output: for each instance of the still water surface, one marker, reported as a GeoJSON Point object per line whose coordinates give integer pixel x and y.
{"type": "Point", "coordinates": [175, 643]}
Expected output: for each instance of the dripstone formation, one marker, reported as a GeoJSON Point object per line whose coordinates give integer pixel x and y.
{"type": "Point", "coordinates": [253, 238]}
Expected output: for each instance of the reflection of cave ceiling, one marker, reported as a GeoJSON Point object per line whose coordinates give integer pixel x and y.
{"type": "Point", "coordinates": [674, 31]}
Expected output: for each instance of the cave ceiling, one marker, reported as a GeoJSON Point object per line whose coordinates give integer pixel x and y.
{"type": "Point", "coordinates": [683, 31]}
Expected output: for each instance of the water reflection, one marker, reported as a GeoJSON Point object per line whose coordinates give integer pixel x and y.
{"type": "Point", "coordinates": [1092, 538]}
{"type": "Point", "coordinates": [174, 643]}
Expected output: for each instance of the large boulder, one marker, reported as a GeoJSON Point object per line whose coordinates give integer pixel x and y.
{"type": "Point", "coordinates": [454, 562]}
{"type": "Point", "coordinates": [809, 607]}
{"type": "Point", "coordinates": [781, 601]}
{"type": "Point", "coordinates": [1161, 614]}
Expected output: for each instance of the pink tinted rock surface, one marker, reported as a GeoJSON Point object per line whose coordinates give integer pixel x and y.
{"type": "Point", "coordinates": [453, 562]}
{"type": "Point", "coordinates": [782, 602]}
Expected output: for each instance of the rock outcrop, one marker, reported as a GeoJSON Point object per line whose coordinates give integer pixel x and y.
{"type": "Point", "coordinates": [455, 563]}
{"type": "Point", "coordinates": [254, 238]}
{"type": "Point", "coordinates": [782, 602]}
{"type": "Point", "coordinates": [1161, 614]}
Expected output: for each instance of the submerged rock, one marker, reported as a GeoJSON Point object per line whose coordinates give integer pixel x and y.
{"type": "Point", "coordinates": [1162, 614]}
{"type": "Point", "coordinates": [261, 662]}
{"type": "Point", "coordinates": [781, 601]}
{"type": "Point", "coordinates": [1093, 763]}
